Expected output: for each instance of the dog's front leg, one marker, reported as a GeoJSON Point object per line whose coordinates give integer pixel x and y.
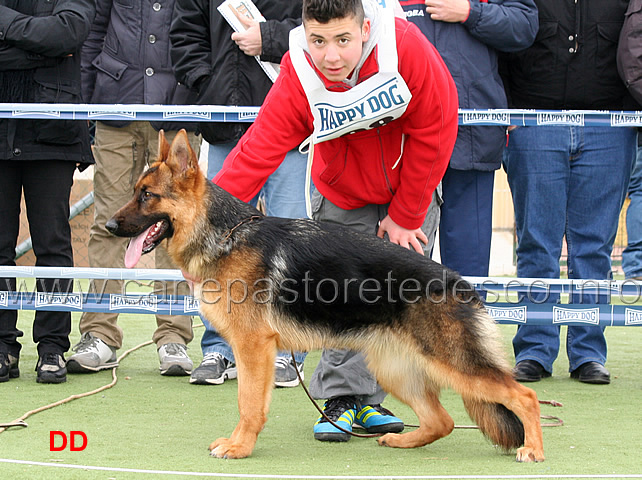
{"type": "Point", "coordinates": [255, 363]}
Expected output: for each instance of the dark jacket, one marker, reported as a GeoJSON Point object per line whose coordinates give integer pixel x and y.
{"type": "Point", "coordinates": [572, 64]}
{"type": "Point", "coordinates": [207, 60]}
{"type": "Point", "coordinates": [40, 62]}
{"type": "Point", "coordinates": [125, 58]}
{"type": "Point", "coordinates": [629, 51]}
{"type": "Point", "coordinates": [470, 51]}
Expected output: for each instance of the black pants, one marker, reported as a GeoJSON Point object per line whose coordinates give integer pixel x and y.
{"type": "Point", "coordinates": [46, 186]}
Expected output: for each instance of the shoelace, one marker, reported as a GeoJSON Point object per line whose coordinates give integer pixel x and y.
{"type": "Point", "coordinates": [212, 357]}
{"type": "Point", "coordinates": [87, 341]}
{"type": "Point", "coordinates": [335, 407]}
{"type": "Point", "coordinates": [50, 359]}
{"type": "Point", "coordinates": [174, 349]}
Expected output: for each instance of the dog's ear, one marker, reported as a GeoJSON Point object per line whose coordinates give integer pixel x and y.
{"type": "Point", "coordinates": [181, 156]}
{"type": "Point", "coordinates": [163, 146]}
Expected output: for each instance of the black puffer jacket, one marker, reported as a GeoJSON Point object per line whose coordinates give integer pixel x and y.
{"type": "Point", "coordinates": [126, 58]}
{"type": "Point", "coordinates": [40, 62]}
{"type": "Point", "coordinates": [207, 60]}
{"type": "Point", "coordinates": [572, 64]}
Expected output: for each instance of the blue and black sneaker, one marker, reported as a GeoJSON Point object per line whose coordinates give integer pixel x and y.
{"type": "Point", "coordinates": [340, 410]}
{"type": "Point", "coordinates": [377, 419]}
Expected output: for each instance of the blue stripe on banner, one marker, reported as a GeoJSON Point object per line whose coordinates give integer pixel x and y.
{"type": "Point", "coordinates": [224, 113]}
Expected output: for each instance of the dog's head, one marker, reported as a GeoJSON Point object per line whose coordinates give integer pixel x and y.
{"type": "Point", "coordinates": [161, 199]}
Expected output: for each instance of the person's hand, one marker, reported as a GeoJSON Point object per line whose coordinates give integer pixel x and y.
{"type": "Point", "coordinates": [249, 41]}
{"type": "Point", "coordinates": [452, 11]}
{"type": "Point", "coordinates": [409, 239]}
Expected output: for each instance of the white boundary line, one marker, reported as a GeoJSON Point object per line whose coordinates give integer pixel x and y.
{"type": "Point", "coordinates": [305, 477]}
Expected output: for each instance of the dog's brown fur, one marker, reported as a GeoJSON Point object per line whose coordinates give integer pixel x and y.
{"type": "Point", "coordinates": [443, 339]}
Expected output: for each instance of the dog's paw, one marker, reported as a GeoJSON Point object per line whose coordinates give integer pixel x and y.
{"type": "Point", "coordinates": [389, 440]}
{"type": "Point", "coordinates": [527, 455]}
{"type": "Point", "coordinates": [225, 448]}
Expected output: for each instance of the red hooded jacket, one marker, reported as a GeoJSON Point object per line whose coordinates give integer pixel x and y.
{"type": "Point", "coordinates": [363, 167]}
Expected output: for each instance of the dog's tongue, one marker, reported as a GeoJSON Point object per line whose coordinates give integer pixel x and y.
{"type": "Point", "coordinates": [135, 249]}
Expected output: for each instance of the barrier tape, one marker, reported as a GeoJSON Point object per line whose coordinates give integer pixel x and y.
{"type": "Point", "coordinates": [225, 113]}
{"type": "Point", "coordinates": [502, 312]}
{"type": "Point", "coordinates": [518, 312]}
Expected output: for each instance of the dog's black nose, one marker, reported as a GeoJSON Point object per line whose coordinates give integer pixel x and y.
{"type": "Point", "coordinates": [111, 225]}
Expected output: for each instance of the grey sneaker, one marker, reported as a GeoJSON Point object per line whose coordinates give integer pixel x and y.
{"type": "Point", "coordinates": [213, 370]}
{"type": "Point", "coordinates": [92, 355]}
{"type": "Point", "coordinates": [285, 372]}
{"type": "Point", "coordinates": [174, 361]}
{"type": "Point", "coordinates": [51, 368]}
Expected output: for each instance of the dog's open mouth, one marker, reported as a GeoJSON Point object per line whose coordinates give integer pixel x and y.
{"type": "Point", "coordinates": [145, 242]}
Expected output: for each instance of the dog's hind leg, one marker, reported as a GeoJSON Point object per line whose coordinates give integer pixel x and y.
{"type": "Point", "coordinates": [506, 412]}
{"type": "Point", "coordinates": [522, 402]}
{"type": "Point", "coordinates": [434, 423]}
{"type": "Point", "coordinates": [404, 378]}
{"type": "Point", "coordinates": [254, 354]}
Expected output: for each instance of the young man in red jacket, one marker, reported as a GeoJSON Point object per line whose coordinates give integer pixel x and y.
{"type": "Point", "coordinates": [381, 109]}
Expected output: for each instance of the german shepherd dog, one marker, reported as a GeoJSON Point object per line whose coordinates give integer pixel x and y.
{"type": "Point", "coordinates": [270, 283]}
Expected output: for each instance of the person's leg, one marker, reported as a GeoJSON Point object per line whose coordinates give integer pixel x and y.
{"type": "Point", "coordinates": [342, 376]}
{"type": "Point", "coordinates": [47, 186]}
{"type": "Point", "coordinates": [173, 332]}
{"type": "Point", "coordinates": [600, 171]}
{"type": "Point", "coordinates": [537, 164]}
{"type": "Point", "coordinates": [119, 155]}
{"type": "Point", "coordinates": [632, 254]}
{"type": "Point", "coordinates": [11, 188]}
{"type": "Point", "coordinates": [466, 224]}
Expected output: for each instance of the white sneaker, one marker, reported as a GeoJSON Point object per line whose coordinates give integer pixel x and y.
{"type": "Point", "coordinates": [174, 360]}
{"type": "Point", "coordinates": [92, 355]}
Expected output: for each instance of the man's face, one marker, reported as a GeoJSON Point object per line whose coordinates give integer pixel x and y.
{"type": "Point", "coordinates": [336, 46]}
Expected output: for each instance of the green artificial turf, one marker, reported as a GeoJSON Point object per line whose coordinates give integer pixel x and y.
{"type": "Point", "coordinates": [156, 423]}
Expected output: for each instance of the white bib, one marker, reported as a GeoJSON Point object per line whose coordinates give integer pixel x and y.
{"type": "Point", "coordinates": [370, 104]}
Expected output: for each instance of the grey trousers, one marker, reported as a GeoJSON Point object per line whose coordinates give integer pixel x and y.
{"type": "Point", "coordinates": [344, 372]}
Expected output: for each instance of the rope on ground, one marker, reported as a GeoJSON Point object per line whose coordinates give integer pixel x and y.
{"type": "Point", "coordinates": [20, 422]}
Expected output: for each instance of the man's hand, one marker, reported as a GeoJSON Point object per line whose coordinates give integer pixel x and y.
{"type": "Point", "coordinates": [409, 239]}
{"type": "Point", "coordinates": [452, 11]}
{"type": "Point", "coordinates": [249, 41]}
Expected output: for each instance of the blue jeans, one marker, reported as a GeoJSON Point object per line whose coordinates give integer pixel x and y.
{"type": "Point", "coordinates": [466, 224]}
{"type": "Point", "coordinates": [284, 196]}
{"type": "Point", "coordinates": [632, 254]}
{"type": "Point", "coordinates": [567, 181]}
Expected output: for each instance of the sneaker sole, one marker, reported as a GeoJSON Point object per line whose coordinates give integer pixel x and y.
{"type": "Point", "coordinates": [387, 428]}
{"type": "Point", "coordinates": [291, 383]}
{"type": "Point", "coordinates": [48, 378]}
{"type": "Point", "coordinates": [74, 367]}
{"type": "Point", "coordinates": [230, 375]}
{"type": "Point", "coordinates": [332, 436]}
{"type": "Point", "coordinates": [175, 371]}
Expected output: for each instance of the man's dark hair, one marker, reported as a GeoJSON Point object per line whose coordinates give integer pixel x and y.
{"type": "Point", "coordinates": [324, 11]}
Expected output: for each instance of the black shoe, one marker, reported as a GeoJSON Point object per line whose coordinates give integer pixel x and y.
{"type": "Point", "coordinates": [8, 367]}
{"type": "Point", "coordinates": [51, 368]}
{"type": "Point", "coordinates": [592, 372]}
{"type": "Point", "coordinates": [529, 371]}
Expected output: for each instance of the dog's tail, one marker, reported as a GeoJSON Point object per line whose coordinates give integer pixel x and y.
{"type": "Point", "coordinates": [496, 422]}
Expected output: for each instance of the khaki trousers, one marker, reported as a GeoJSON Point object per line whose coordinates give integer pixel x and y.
{"type": "Point", "coordinates": [121, 156]}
